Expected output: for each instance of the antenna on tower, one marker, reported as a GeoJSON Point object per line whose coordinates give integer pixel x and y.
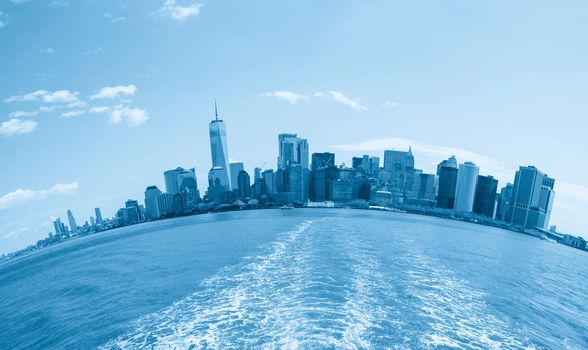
{"type": "Point", "coordinates": [215, 111]}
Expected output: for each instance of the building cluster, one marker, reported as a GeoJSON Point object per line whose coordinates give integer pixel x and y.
{"type": "Point", "coordinates": [455, 190]}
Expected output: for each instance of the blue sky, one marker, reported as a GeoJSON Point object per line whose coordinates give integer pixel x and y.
{"type": "Point", "coordinates": [98, 98]}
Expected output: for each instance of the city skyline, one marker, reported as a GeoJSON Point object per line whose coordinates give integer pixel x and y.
{"type": "Point", "coordinates": [97, 141]}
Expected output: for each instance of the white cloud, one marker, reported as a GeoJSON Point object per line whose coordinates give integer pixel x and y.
{"type": "Point", "coordinates": [60, 3]}
{"type": "Point", "coordinates": [113, 18]}
{"type": "Point", "coordinates": [4, 19]}
{"type": "Point", "coordinates": [94, 51]}
{"type": "Point", "coordinates": [433, 154]}
{"type": "Point", "coordinates": [74, 113]}
{"type": "Point", "coordinates": [289, 96]}
{"type": "Point", "coordinates": [341, 98]}
{"type": "Point", "coordinates": [21, 196]}
{"type": "Point", "coordinates": [17, 126]}
{"type": "Point", "coordinates": [99, 109]}
{"type": "Point", "coordinates": [389, 104]}
{"type": "Point", "coordinates": [132, 116]}
{"type": "Point", "coordinates": [109, 92]}
{"type": "Point", "coordinates": [58, 96]}
{"type": "Point", "coordinates": [20, 114]}
{"type": "Point", "coordinates": [575, 192]}
{"type": "Point", "coordinates": [48, 51]}
{"type": "Point", "coordinates": [172, 10]}
{"type": "Point", "coordinates": [18, 2]}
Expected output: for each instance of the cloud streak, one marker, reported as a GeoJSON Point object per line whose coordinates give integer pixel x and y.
{"type": "Point", "coordinates": [17, 127]}
{"type": "Point", "coordinates": [21, 196]}
{"type": "Point", "coordinates": [290, 96]}
{"type": "Point", "coordinates": [50, 97]}
{"type": "Point", "coordinates": [339, 97]}
{"type": "Point", "coordinates": [171, 9]}
{"type": "Point", "coordinates": [132, 116]}
{"type": "Point", "coordinates": [110, 92]}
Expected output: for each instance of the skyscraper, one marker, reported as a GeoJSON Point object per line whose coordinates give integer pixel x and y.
{"type": "Point", "coordinates": [400, 166]}
{"type": "Point", "coordinates": [73, 227]}
{"type": "Point", "coordinates": [532, 198]}
{"type": "Point", "coordinates": [504, 202]}
{"type": "Point", "coordinates": [219, 173]}
{"type": "Point", "coordinates": [99, 220]}
{"type": "Point", "coordinates": [235, 169]}
{"type": "Point", "coordinates": [244, 183]}
{"type": "Point", "coordinates": [485, 198]}
{"type": "Point", "coordinates": [151, 207]}
{"type": "Point", "coordinates": [292, 150]}
{"type": "Point", "coordinates": [59, 227]}
{"type": "Point", "coordinates": [465, 190]}
{"type": "Point", "coordinates": [447, 172]}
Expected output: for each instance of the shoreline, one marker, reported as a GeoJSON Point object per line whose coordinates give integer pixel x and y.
{"type": "Point", "coordinates": [431, 212]}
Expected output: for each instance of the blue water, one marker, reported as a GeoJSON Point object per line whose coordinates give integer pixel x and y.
{"type": "Point", "coordinates": [304, 278]}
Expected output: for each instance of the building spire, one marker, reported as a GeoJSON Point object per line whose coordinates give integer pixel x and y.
{"type": "Point", "coordinates": [215, 111]}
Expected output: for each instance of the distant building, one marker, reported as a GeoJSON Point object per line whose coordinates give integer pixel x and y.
{"type": "Point", "coordinates": [485, 197]}
{"type": "Point", "coordinates": [244, 184]}
{"type": "Point", "coordinates": [450, 162]}
{"type": "Point", "coordinates": [342, 191]}
{"type": "Point", "coordinates": [269, 178]}
{"type": "Point", "coordinates": [576, 242]}
{"type": "Point", "coordinates": [73, 227]}
{"type": "Point", "coordinates": [532, 198]}
{"type": "Point", "coordinates": [321, 160]}
{"type": "Point", "coordinates": [400, 168]}
{"type": "Point", "coordinates": [292, 150]}
{"type": "Point", "coordinates": [132, 214]}
{"type": "Point", "coordinates": [165, 204]}
{"type": "Point", "coordinates": [322, 180]}
{"type": "Point", "coordinates": [504, 202]}
{"type": "Point", "coordinates": [235, 168]}
{"type": "Point", "coordinates": [60, 228]}
{"type": "Point", "coordinates": [99, 219]}
{"type": "Point", "coordinates": [151, 207]}
{"type": "Point", "coordinates": [447, 171]}
{"type": "Point", "coordinates": [180, 179]}
{"type": "Point", "coordinates": [219, 173]}
{"type": "Point", "coordinates": [423, 191]}
{"type": "Point", "coordinates": [465, 189]}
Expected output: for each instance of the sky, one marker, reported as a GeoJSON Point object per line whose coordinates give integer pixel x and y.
{"type": "Point", "coordinates": [98, 98]}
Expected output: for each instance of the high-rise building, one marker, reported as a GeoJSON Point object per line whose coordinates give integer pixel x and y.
{"type": "Point", "coordinates": [485, 198]}
{"type": "Point", "coordinates": [532, 198]}
{"type": "Point", "coordinates": [132, 214]}
{"type": "Point", "coordinates": [99, 220]}
{"type": "Point", "coordinates": [400, 166]}
{"type": "Point", "coordinates": [465, 189]}
{"type": "Point", "coordinates": [423, 191]}
{"type": "Point", "coordinates": [73, 227]}
{"type": "Point", "coordinates": [180, 179]}
{"type": "Point", "coordinates": [60, 228]}
{"type": "Point", "coordinates": [270, 181]}
{"type": "Point", "coordinates": [244, 183]}
{"type": "Point", "coordinates": [292, 150]}
{"type": "Point", "coordinates": [447, 172]}
{"type": "Point", "coordinates": [322, 183]}
{"type": "Point", "coordinates": [151, 207]}
{"type": "Point", "coordinates": [504, 200]}
{"type": "Point", "coordinates": [235, 168]}
{"type": "Point", "coordinates": [321, 160]}
{"type": "Point", "coordinates": [219, 173]}
{"type": "Point", "coordinates": [165, 204]}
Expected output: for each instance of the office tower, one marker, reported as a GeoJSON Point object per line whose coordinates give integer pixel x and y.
{"type": "Point", "coordinates": [268, 177]}
{"type": "Point", "coordinates": [294, 187]}
{"type": "Point", "coordinates": [356, 162]}
{"type": "Point", "coordinates": [322, 183]}
{"type": "Point", "coordinates": [485, 198]}
{"type": "Point", "coordinates": [450, 162]}
{"type": "Point", "coordinates": [235, 169]}
{"type": "Point", "coordinates": [504, 202]}
{"type": "Point", "coordinates": [244, 184]}
{"type": "Point", "coordinates": [342, 190]}
{"type": "Point", "coordinates": [423, 191]}
{"type": "Point", "coordinates": [180, 180]}
{"type": "Point", "coordinates": [92, 221]}
{"type": "Point", "coordinates": [374, 165]}
{"type": "Point", "coordinates": [73, 227]}
{"type": "Point", "coordinates": [320, 160]}
{"type": "Point", "coordinates": [400, 166]}
{"type": "Point", "coordinates": [99, 220]}
{"type": "Point", "coordinates": [361, 163]}
{"type": "Point", "coordinates": [256, 174]}
{"type": "Point", "coordinates": [60, 228]}
{"type": "Point", "coordinates": [165, 204]}
{"type": "Point", "coordinates": [292, 150]}
{"type": "Point", "coordinates": [219, 173]}
{"type": "Point", "coordinates": [132, 214]}
{"type": "Point", "coordinates": [447, 172]}
{"type": "Point", "coordinates": [532, 198]}
{"type": "Point", "coordinates": [151, 208]}
{"type": "Point", "coordinates": [465, 189]}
